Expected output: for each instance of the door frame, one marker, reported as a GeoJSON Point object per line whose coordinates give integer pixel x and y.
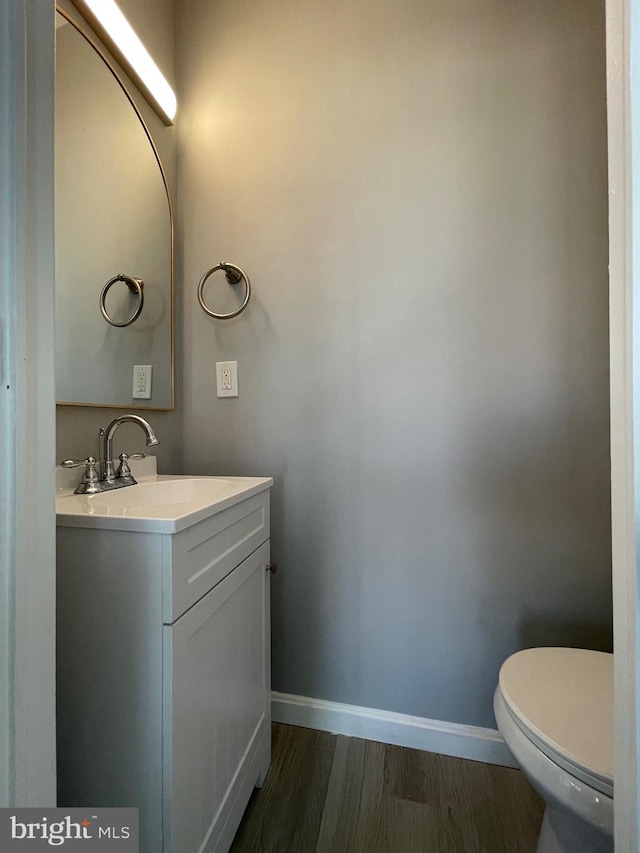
{"type": "Point", "coordinates": [623, 103]}
{"type": "Point", "coordinates": [27, 405]}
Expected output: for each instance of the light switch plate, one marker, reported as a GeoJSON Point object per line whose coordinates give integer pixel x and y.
{"type": "Point", "coordinates": [227, 378]}
{"type": "Point", "coordinates": [142, 381]}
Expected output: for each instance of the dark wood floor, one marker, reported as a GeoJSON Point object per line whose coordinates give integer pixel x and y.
{"type": "Point", "coordinates": [331, 794]}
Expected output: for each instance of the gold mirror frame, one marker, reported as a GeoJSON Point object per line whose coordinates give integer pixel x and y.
{"type": "Point", "coordinates": [116, 74]}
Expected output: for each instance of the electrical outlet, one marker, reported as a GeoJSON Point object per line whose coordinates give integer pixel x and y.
{"type": "Point", "coordinates": [142, 381]}
{"type": "Point", "coordinates": [227, 378]}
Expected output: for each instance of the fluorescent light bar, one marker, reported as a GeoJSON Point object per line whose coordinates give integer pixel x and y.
{"type": "Point", "coordinates": [135, 54]}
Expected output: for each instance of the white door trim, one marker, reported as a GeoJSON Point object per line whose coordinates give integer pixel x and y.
{"type": "Point", "coordinates": [27, 405]}
{"type": "Point", "coordinates": [623, 44]}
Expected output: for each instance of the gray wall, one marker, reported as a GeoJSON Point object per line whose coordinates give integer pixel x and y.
{"type": "Point", "coordinates": [76, 427]}
{"type": "Point", "coordinates": [418, 190]}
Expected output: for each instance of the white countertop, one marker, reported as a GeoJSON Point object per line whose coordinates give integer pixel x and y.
{"type": "Point", "coordinates": [93, 511]}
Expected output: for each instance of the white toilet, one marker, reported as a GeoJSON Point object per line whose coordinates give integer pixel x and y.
{"type": "Point", "coordinates": [554, 709]}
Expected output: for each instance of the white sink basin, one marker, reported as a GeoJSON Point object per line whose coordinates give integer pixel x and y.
{"type": "Point", "coordinates": [165, 493]}
{"type": "Point", "coordinates": [158, 504]}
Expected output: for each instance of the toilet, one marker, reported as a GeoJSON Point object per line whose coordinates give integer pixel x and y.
{"type": "Point", "coordinates": [554, 709]}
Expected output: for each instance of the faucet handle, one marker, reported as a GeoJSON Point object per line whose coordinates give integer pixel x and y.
{"type": "Point", "coordinates": [89, 481]}
{"type": "Point", "coordinates": [123, 468]}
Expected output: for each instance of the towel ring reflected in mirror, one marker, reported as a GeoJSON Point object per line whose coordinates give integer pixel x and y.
{"type": "Point", "coordinates": [136, 286]}
{"type": "Point", "coordinates": [234, 275]}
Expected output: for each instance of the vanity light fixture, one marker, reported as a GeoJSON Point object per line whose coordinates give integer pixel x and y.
{"type": "Point", "coordinates": [110, 22]}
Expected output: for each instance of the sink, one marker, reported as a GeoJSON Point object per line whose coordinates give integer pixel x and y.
{"type": "Point", "coordinates": [165, 493]}
{"type": "Point", "coordinates": [157, 504]}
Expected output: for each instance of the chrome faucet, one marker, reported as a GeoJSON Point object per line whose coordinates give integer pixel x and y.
{"type": "Point", "coordinates": [91, 482]}
{"type": "Point", "coordinates": [108, 474]}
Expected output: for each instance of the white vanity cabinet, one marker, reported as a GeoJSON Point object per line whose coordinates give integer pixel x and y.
{"type": "Point", "coordinates": [163, 671]}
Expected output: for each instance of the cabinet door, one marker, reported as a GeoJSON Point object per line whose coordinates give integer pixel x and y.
{"type": "Point", "coordinates": [216, 708]}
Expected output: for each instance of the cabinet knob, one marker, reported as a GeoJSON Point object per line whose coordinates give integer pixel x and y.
{"type": "Point", "coordinates": [273, 568]}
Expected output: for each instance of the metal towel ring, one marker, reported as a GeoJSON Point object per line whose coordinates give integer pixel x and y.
{"type": "Point", "coordinates": [234, 275]}
{"type": "Point", "coordinates": [135, 285]}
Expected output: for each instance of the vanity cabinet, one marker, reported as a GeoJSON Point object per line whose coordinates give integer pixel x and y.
{"type": "Point", "coordinates": [163, 673]}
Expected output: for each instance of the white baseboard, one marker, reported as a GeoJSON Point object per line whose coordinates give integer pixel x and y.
{"type": "Point", "coordinates": [460, 741]}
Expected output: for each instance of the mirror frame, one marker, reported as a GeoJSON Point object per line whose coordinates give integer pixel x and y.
{"type": "Point", "coordinates": [119, 77]}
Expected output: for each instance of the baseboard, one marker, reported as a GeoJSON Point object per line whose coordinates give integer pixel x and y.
{"type": "Point", "coordinates": [472, 742]}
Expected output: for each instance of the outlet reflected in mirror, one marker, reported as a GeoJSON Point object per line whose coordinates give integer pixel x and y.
{"type": "Point", "coordinates": [113, 217]}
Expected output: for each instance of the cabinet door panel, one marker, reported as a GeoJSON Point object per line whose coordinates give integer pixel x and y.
{"type": "Point", "coordinates": [216, 704]}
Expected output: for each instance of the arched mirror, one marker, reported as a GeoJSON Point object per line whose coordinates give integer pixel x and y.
{"type": "Point", "coordinates": [113, 220]}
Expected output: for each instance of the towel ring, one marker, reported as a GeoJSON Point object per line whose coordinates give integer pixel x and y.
{"type": "Point", "coordinates": [234, 275]}
{"type": "Point", "coordinates": [135, 285]}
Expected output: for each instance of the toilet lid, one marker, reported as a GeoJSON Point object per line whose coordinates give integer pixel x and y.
{"type": "Point", "coordinates": [562, 699]}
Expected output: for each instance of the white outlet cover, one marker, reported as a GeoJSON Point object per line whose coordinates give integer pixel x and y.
{"type": "Point", "coordinates": [141, 389]}
{"type": "Point", "coordinates": [225, 371]}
